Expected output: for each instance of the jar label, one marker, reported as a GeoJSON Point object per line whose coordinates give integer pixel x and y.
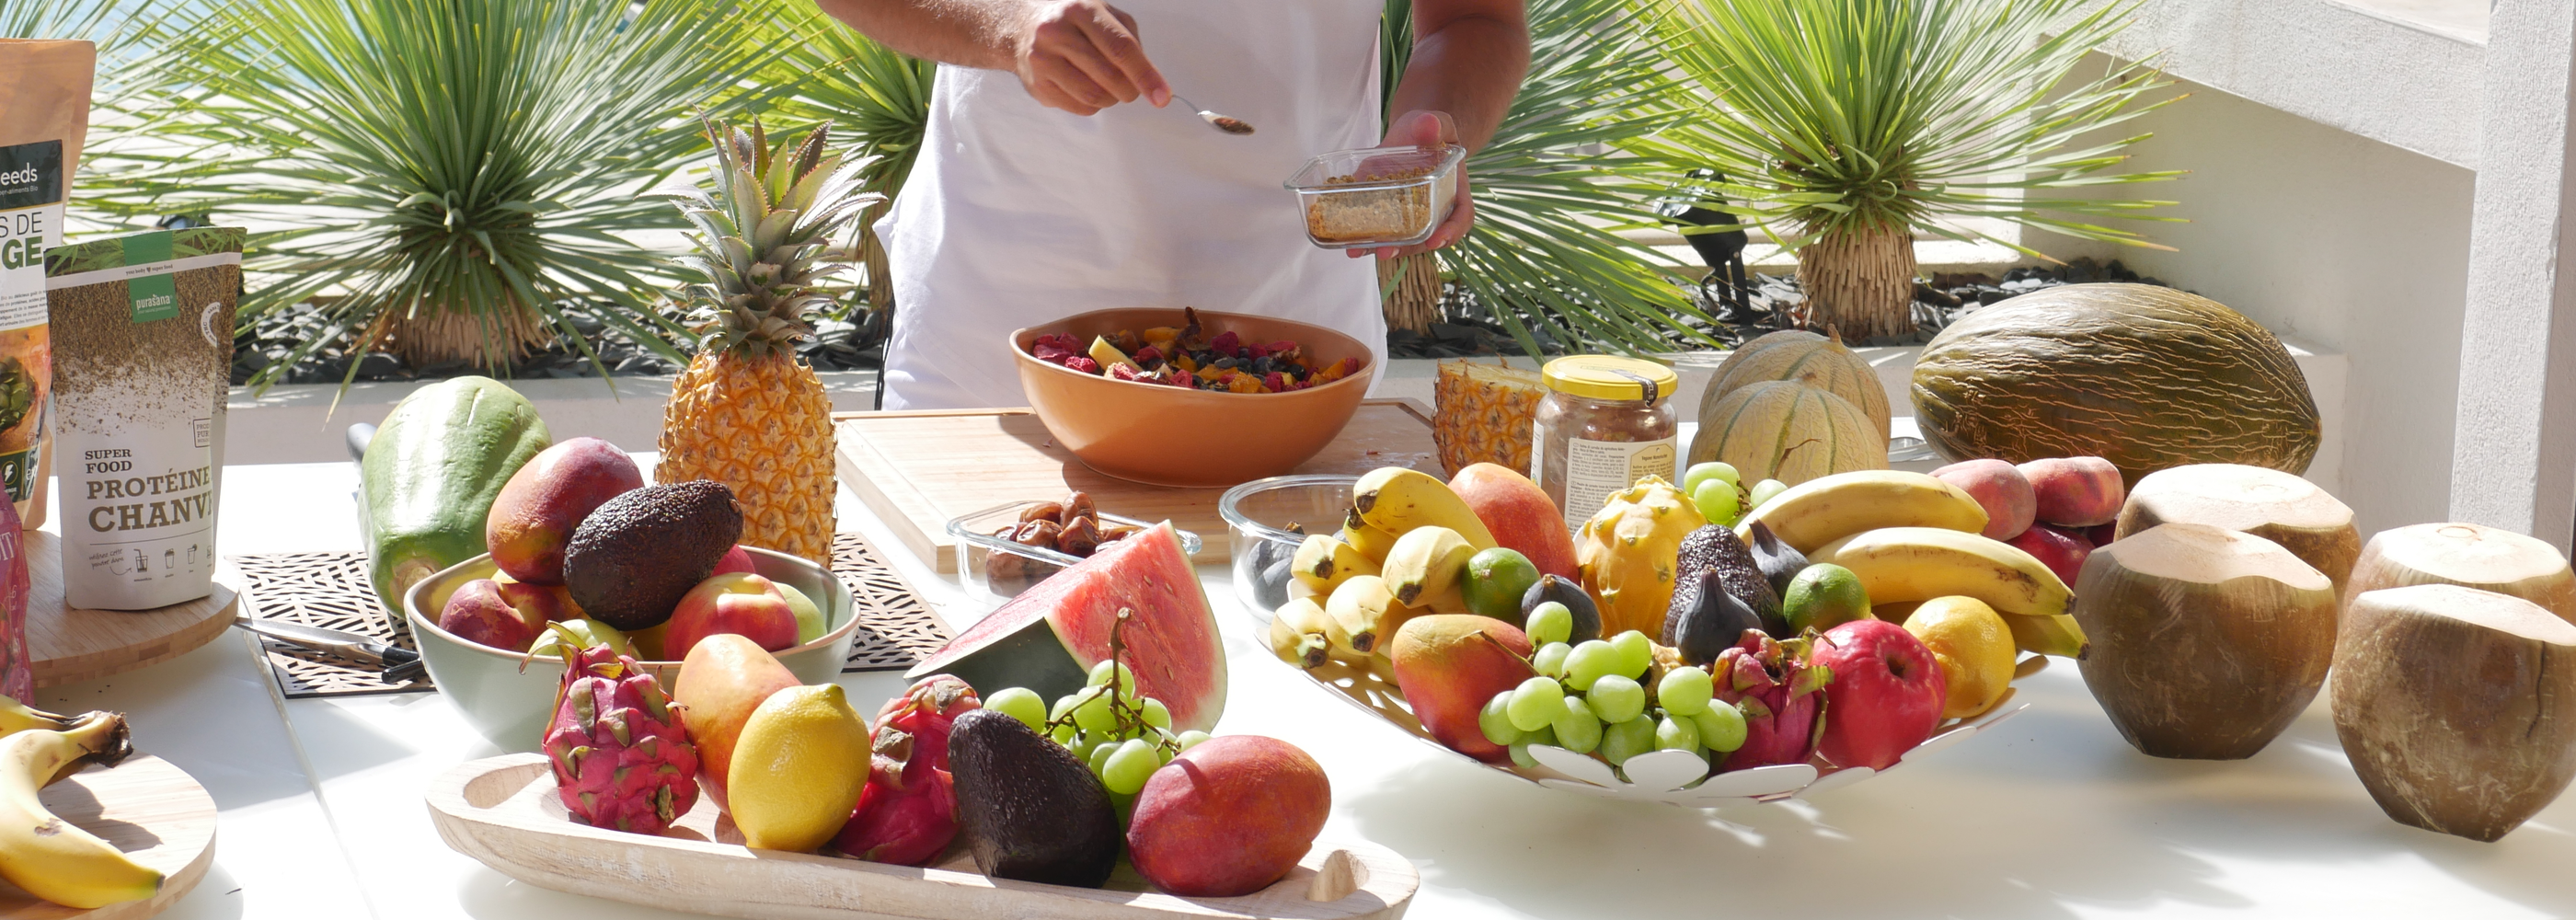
{"type": "Point", "coordinates": [1596, 470]}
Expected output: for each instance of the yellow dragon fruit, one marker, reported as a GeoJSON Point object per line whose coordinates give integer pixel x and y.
{"type": "Point", "coordinates": [1627, 554]}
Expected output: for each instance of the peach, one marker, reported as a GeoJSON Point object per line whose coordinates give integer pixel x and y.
{"type": "Point", "coordinates": [2062, 551]}
{"type": "Point", "coordinates": [2000, 487]}
{"type": "Point", "coordinates": [478, 613]}
{"type": "Point", "coordinates": [738, 603]}
{"type": "Point", "coordinates": [2076, 492]}
{"type": "Point", "coordinates": [1449, 665]}
{"type": "Point", "coordinates": [724, 678]}
{"type": "Point", "coordinates": [1228, 817]}
{"type": "Point", "coordinates": [1519, 514]}
{"type": "Point", "coordinates": [533, 518]}
{"type": "Point", "coordinates": [541, 604]}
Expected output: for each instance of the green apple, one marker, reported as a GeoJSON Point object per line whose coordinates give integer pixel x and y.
{"type": "Point", "coordinates": [809, 618]}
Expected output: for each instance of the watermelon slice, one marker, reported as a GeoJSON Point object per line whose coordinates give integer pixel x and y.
{"type": "Point", "coordinates": [1048, 637]}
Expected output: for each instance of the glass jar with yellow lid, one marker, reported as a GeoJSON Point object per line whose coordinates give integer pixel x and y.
{"type": "Point", "coordinates": [1605, 423]}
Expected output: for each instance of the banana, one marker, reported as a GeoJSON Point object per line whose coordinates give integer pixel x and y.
{"type": "Point", "coordinates": [1396, 499]}
{"type": "Point", "coordinates": [17, 717]}
{"type": "Point", "coordinates": [1299, 633]}
{"type": "Point", "coordinates": [1368, 614]}
{"type": "Point", "coordinates": [1453, 600]}
{"type": "Point", "coordinates": [1427, 562]}
{"type": "Point", "coordinates": [1324, 562]}
{"type": "Point", "coordinates": [1898, 564]}
{"type": "Point", "coordinates": [1370, 541]}
{"type": "Point", "coordinates": [46, 855]}
{"type": "Point", "coordinates": [2058, 635]}
{"type": "Point", "coordinates": [1829, 508]}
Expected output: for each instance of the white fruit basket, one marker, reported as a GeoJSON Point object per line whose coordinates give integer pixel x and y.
{"type": "Point", "coordinates": [1670, 777]}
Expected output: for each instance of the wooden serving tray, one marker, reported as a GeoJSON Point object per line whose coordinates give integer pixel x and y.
{"type": "Point", "coordinates": [917, 470]}
{"type": "Point", "coordinates": [503, 811]}
{"type": "Point", "coordinates": [148, 808]}
{"type": "Point", "coordinates": [69, 644]}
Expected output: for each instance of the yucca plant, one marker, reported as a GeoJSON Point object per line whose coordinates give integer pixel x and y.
{"type": "Point", "coordinates": [876, 98]}
{"type": "Point", "coordinates": [447, 176]}
{"type": "Point", "coordinates": [1545, 254]}
{"type": "Point", "coordinates": [1843, 128]}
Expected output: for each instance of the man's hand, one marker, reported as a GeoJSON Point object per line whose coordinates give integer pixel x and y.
{"type": "Point", "coordinates": [1421, 128]}
{"type": "Point", "coordinates": [1082, 56]}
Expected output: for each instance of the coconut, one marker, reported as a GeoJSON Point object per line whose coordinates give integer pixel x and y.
{"type": "Point", "coordinates": [2206, 642]}
{"type": "Point", "coordinates": [2466, 554]}
{"type": "Point", "coordinates": [2453, 705]}
{"type": "Point", "coordinates": [2267, 503]}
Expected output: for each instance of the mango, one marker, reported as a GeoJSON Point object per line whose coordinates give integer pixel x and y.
{"type": "Point", "coordinates": [721, 683]}
{"type": "Point", "coordinates": [1228, 817]}
{"type": "Point", "coordinates": [1449, 665]}
{"type": "Point", "coordinates": [533, 518]}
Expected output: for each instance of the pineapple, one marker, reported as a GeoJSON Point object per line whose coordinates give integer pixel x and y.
{"type": "Point", "coordinates": [1482, 414]}
{"type": "Point", "coordinates": [748, 413]}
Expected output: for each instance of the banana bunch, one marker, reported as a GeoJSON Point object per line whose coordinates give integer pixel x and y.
{"type": "Point", "coordinates": [1829, 508]}
{"type": "Point", "coordinates": [1909, 564]}
{"type": "Point", "coordinates": [1402, 551]}
{"type": "Point", "coordinates": [40, 852]}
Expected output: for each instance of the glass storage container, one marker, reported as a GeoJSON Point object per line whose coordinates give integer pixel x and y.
{"type": "Point", "coordinates": [1377, 196]}
{"type": "Point", "coordinates": [994, 569]}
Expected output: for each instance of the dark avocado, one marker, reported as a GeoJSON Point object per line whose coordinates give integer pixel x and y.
{"type": "Point", "coordinates": [1779, 561]}
{"type": "Point", "coordinates": [1029, 810]}
{"type": "Point", "coordinates": [1587, 616]}
{"type": "Point", "coordinates": [1715, 548]}
{"type": "Point", "coordinates": [1713, 621]}
{"type": "Point", "coordinates": [633, 558]}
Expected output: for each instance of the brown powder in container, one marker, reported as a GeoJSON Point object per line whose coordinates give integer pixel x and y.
{"type": "Point", "coordinates": [1362, 215]}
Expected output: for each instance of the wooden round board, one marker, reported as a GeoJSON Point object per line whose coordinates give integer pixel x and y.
{"type": "Point", "coordinates": [151, 810]}
{"type": "Point", "coordinates": [70, 645]}
{"type": "Point", "coordinates": [504, 811]}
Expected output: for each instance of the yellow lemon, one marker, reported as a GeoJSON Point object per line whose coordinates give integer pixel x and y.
{"type": "Point", "coordinates": [797, 768]}
{"type": "Point", "coordinates": [1974, 647]}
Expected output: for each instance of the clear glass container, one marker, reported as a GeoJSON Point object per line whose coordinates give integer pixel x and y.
{"type": "Point", "coordinates": [1266, 520]}
{"type": "Point", "coordinates": [1019, 566]}
{"type": "Point", "coordinates": [1377, 196]}
{"type": "Point", "coordinates": [1605, 423]}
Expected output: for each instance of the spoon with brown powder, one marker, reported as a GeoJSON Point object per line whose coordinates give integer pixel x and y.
{"type": "Point", "coordinates": [1226, 123]}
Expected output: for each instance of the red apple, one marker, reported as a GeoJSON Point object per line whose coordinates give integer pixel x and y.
{"type": "Point", "coordinates": [2062, 550]}
{"type": "Point", "coordinates": [1885, 696]}
{"type": "Point", "coordinates": [1228, 817]}
{"type": "Point", "coordinates": [2076, 491]}
{"type": "Point", "coordinates": [2101, 535]}
{"type": "Point", "coordinates": [2000, 487]}
{"type": "Point", "coordinates": [742, 604]}
{"type": "Point", "coordinates": [735, 560]}
{"type": "Point", "coordinates": [540, 604]}
{"type": "Point", "coordinates": [1519, 514]}
{"type": "Point", "coordinates": [479, 613]}
{"type": "Point", "coordinates": [536, 512]}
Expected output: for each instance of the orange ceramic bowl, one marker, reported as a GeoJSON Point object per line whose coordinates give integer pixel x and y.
{"type": "Point", "coordinates": [1170, 436]}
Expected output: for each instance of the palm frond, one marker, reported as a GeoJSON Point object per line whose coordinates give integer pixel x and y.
{"type": "Point", "coordinates": [1876, 115]}
{"type": "Point", "coordinates": [479, 159]}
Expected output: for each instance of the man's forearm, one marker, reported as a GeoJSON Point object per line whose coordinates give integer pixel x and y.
{"type": "Point", "coordinates": [1469, 67]}
{"type": "Point", "coordinates": [968, 33]}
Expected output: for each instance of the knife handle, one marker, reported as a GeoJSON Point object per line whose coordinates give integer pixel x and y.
{"type": "Point", "coordinates": [405, 672]}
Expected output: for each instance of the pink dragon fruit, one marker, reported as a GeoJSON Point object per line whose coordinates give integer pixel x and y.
{"type": "Point", "coordinates": [907, 813]}
{"type": "Point", "coordinates": [621, 757]}
{"type": "Point", "coordinates": [1780, 695]}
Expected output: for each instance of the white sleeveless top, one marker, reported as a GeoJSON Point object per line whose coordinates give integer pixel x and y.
{"type": "Point", "coordinates": [1017, 214]}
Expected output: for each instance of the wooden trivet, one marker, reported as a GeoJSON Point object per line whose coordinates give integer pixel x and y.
{"type": "Point", "coordinates": [330, 590]}
{"type": "Point", "coordinates": [69, 644]}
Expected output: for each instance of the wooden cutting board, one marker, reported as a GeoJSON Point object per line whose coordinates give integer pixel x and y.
{"type": "Point", "coordinates": [917, 470]}
{"type": "Point", "coordinates": [149, 809]}
{"type": "Point", "coordinates": [505, 812]}
{"type": "Point", "coordinates": [69, 644]}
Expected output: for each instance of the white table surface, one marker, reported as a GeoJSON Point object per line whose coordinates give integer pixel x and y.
{"type": "Point", "coordinates": [2050, 815]}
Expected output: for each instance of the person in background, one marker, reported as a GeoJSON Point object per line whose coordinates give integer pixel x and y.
{"type": "Point", "coordinates": [1043, 190]}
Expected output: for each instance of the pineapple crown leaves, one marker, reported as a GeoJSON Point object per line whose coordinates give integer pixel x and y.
{"type": "Point", "coordinates": [761, 235]}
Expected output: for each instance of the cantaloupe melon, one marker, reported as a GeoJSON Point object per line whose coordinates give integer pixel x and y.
{"type": "Point", "coordinates": [1775, 429]}
{"type": "Point", "coordinates": [1803, 357]}
{"type": "Point", "coordinates": [2143, 376]}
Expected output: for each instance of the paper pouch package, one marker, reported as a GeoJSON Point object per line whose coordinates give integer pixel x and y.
{"type": "Point", "coordinates": [143, 353]}
{"type": "Point", "coordinates": [44, 118]}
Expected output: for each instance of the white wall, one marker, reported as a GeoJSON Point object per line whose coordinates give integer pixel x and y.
{"type": "Point", "coordinates": [2356, 246]}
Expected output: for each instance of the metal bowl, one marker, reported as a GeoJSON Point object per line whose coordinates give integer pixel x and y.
{"type": "Point", "coordinates": [508, 696]}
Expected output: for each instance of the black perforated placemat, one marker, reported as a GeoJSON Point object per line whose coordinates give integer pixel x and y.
{"type": "Point", "coordinates": [330, 590]}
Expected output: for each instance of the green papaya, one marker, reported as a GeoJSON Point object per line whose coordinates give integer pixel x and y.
{"type": "Point", "coordinates": [429, 476]}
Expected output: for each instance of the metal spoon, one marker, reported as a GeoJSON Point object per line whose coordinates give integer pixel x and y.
{"type": "Point", "coordinates": [1226, 123]}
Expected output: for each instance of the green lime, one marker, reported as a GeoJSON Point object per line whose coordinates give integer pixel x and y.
{"type": "Point", "coordinates": [1496, 579]}
{"type": "Point", "coordinates": [1823, 596]}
